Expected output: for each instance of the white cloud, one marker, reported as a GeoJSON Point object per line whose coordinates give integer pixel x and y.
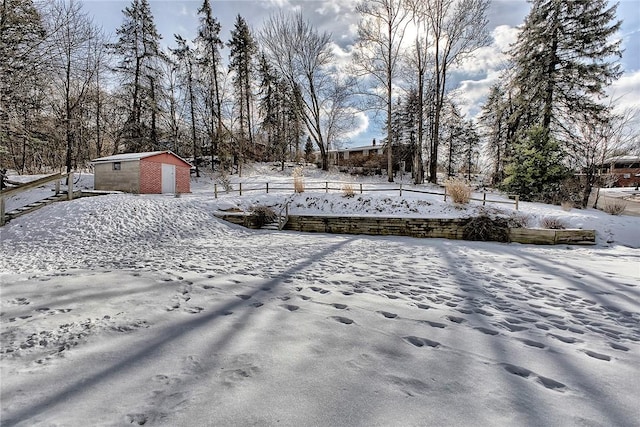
{"type": "Point", "coordinates": [625, 92]}
{"type": "Point", "coordinates": [361, 126]}
{"type": "Point", "coordinates": [492, 57]}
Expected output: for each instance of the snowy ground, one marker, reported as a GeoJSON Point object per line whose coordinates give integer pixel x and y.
{"type": "Point", "coordinates": [122, 309]}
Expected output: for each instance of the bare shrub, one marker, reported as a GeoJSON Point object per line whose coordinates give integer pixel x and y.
{"type": "Point", "coordinates": [566, 205]}
{"type": "Point", "coordinates": [519, 221]}
{"type": "Point", "coordinates": [224, 180]}
{"type": "Point", "coordinates": [615, 208]}
{"type": "Point", "coordinates": [552, 223]}
{"type": "Point", "coordinates": [263, 214]}
{"type": "Point", "coordinates": [298, 180]}
{"type": "Point", "coordinates": [459, 190]}
{"type": "Point", "coordinates": [484, 228]}
{"type": "Point", "coordinates": [347, 190]}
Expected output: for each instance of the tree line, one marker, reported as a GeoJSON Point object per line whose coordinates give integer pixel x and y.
{"type": "Point", "coordinates": [69, 94]}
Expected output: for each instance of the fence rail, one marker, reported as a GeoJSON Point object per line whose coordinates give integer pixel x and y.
{"type": "Point", "coordinates": [57, 177]}
{"type": "Point", "coordinates": [341, 186]}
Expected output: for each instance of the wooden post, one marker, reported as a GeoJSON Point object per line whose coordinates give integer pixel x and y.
{"type": "Point", "coordinates": [57, 187]}
{"type": "Point", "coordinates": [70, 186]}
{"type": "Point", "coordinates": [484, 199]}
{"type": "Point", "coordinates": [1, 211]}
{"type": "Point", "coordinates": [326, 186]}
{"type": "Point", "coordinates": [445, 194]}
{"type": "Point", "coordinates": [240, 184]}
{"type": "Point", "coordinates": [400, 190]}
{"type": "Point", "coordinates": [267, 188]}
{"type": "Point", "coordinates": [517, 200]}
{"type": "Point", "coordinates": [215, 190]}
{"type": "Point", "coordinates": [360, 188]}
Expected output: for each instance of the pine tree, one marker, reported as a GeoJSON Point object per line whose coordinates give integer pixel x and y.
{"type": "Point", "coordinates": [209, 45]}
{"type": "Point", "coordinates": [536, 168]}
{"type": "Point", "coordinates": [243, 49]}
{"type": "Point", "coordinates": [563, 59]}
{"type": "Point", "coordinates": [138, 50]}
{"type": "Point", "coordinates": [470, 146]}
{"type": "Point", "coordinates": [22, 81]}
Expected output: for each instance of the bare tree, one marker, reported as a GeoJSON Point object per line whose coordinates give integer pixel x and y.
{"type": "Point", "coordinates": [76, 45]}
{"type": "Point", "coordinates": [380, 34]}
{"type": "Point", "coordinates": [303, 57]}
{"type": "Point", "coordinates": [593, 142]}
{"type": "Point", "coordinates": [457, 28]}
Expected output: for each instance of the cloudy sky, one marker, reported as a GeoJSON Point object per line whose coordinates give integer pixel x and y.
{"type": "Point", "coordinates": [339, 18]}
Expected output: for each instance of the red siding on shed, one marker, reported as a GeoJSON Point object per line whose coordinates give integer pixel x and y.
{"type": "Point", "coordinates": [183, 180]}
{"type": "Point", "coordinates": [150, 177]}
{"type": "Point", "coordinates": [168, 159]}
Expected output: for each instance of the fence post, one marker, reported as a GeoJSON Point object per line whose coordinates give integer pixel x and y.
{"type": "Point", "coordinates": [360, 188]}
{"type": "Point", "coordinates": [240, 187]}
{"type": "Point", "coordinates": [58, 186]}
{"type": "Point", "coordinates": [517, 200]}
{"type": "Point", "coordinates": [267, 188]}
{"type": "Point", "coordinates": [215, 190]}
{"type": "Point", "coordinates": [70, 186]}
{"type": "Point", "coordinates": [1, 210]}
{"type": "Point", "coordinates": [326, 186]}
{"type": "Point", "coordinates": [484, 199]}
{"type": "Point", "coordinates": [400, 190]}
{"type": "Point", "coordinates": [445, 194]}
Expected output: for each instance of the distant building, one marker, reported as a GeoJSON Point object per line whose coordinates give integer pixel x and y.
{"type": "Point", "coordinates": [143, 173]}
{"type": "Point", "coordinates": [625, 170]}
{"type": "Point", "coordinates": [351, 156]}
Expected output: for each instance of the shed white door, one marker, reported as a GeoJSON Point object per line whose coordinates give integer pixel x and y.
{"type": "Point", "coordinates": [168, 178]}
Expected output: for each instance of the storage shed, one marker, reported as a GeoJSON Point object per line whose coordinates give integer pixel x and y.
{"type": "Point", "coordinates": [152, 172]}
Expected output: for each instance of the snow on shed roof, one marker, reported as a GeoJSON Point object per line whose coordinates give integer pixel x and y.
{"type": "Point", "coordinates": [127, 157]}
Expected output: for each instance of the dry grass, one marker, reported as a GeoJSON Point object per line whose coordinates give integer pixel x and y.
{"type": "Point", "coordinates": [615, 208]}
{"type": "Point", "coordinates": [552, 223]}
{"type": "Point", "coordinates": [519, 221]}
{"type": "Point", "coordinates": [566, 206]}
{"type": "Point", "coordinates": [347, 190]}
{"type": "Point", "coordinates": [298, 180]}
{"type": "Point", "coordinates": [459, 190]}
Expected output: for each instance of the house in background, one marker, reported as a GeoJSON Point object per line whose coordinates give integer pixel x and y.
{"type": "Point", "coordinates": [152, 172]}
{"type": "Point", "coordinates": [625, 170]}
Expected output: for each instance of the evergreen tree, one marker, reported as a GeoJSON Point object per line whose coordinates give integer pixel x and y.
{"type": "Point", "coordinates": [138, 50]}
{"type": "Point", "coordinates": [563, 60]}
{"type": "Point", "coordinates": [308, 150]}
{"type": "Point", "coordinates": [536, 168]}
{"type": "Point", "coordinates": [22, 82]}
{"type": "Point", "coordinates": [209, 45]}
{"type": "Point", "coordinates": [243, 49]}
{"type": "Point", "coordinates": [470, 146]}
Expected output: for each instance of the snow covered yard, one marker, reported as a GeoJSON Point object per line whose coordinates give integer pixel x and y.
{"type": "Point", "coordinates": [122, 309]}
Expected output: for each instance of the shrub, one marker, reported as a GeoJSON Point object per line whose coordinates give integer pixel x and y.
{"type": "Point", "coordinates": [518, 221]}
{"type": "Point", "coordinates": [614, 208]}
{"type": "Point", "coordinates": [347, 190]}
{"type": "Point", "coordinates": [263, 214]}
{"type": "Point", "coordinates": [552, 223]}
{"type": "Point", "coordinates": [224, 181]}
{"type": "Point", "coordinates": [484, 228]}
{"type": "Point", "coordinates": [298, 180]}
{"type": "Point", "coordinates": [459, 190]}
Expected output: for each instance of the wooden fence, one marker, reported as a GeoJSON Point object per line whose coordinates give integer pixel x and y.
{"type": "Point", "coordinates": [57, 177]}
{"type": "Point", "coordinates": [356, 188]}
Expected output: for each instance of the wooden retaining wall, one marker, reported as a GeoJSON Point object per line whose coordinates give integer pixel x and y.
{"type": "Point", "coordinates": [447, 228]}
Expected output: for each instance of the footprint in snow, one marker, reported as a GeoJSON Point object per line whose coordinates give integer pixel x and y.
{"type": "Point", "coordinates": [455, 319]}
{"type": "Point", "coordinates": [532, 343]}
{"type": "Point", "coordinates": [344, 320]}
{"type": "Point", "coordinates": [339, 306]}
{"type": "Point", "coordinates": [244, 297]}
{"type": "Point", "coordinates": [291, 307]}
{"type": "Point", "coordinates": [388, 315]}
{"type": "Point", "coordinates": [421, 342]}
{"type": "Point", "coordinates": [618, 347]}
{"type": "Point", "coordinates": [598, 356]}
{"type": "Point", "coordinates": [487, 330]}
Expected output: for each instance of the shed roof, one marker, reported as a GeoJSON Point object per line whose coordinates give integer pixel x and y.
{"type": "Point", "coordinates": [128, 157]}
